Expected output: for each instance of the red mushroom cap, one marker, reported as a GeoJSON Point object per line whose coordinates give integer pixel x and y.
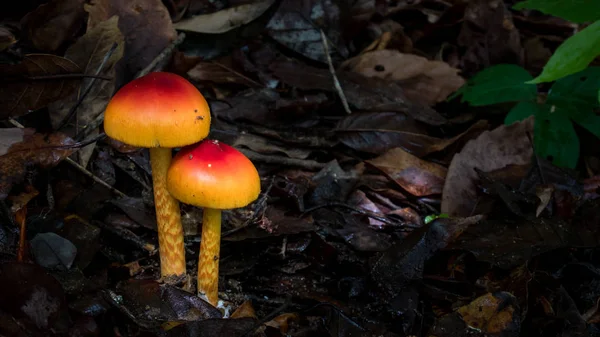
{"type": "Point", "coordinates": [158, 110]}
{"type": "Point", "coordinates": [214, 175]}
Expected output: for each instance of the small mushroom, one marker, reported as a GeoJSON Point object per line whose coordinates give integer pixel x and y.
{"type": "Point", "coordinates": [215, 176]}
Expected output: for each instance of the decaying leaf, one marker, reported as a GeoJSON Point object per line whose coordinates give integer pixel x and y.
{"type": "Point", "coordinates": [89, 52]}
{"type": "Point", "coordinates": [22, 148]}
{"type": "Point", "coordinates": [263, 145]}
{"type": "Point", "coordinates": [22, 88]}
{"type": "Point", "coordinates": [413, 174]}
{"type": "Point", "coordinates": [424, 81]}
{"type": "Point", "coordinates": [297, 24]}
{"type": "Point", "coordinates": [147, 28]}
{"type": "Point", "coordinates": [505, 145]}
{"type": "Point", "coordinates": [52, 24]}
{"type": "Point", "coordinates": [379, 132]}
{"type": "Point", "coordinates": [226, 19]}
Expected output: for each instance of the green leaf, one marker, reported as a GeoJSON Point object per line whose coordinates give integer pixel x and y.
{"type": "Point", "coordinates": [577, 91]}
{"type": "Point", "coordinates": [555, 138]}
{"type": "Point", "coordinates": [521, 111]}
{"type": "Point", "coordinates": [587, 119]}
{"type": "Point", "coordinates": [498, 84]}
{"type": "Point", "coordinates": [573, 55]}
{"type": "Point", "coordinates": [573, 10]}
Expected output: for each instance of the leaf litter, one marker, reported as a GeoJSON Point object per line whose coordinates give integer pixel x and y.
{"type": "Point", "coordinates": [411, 215]}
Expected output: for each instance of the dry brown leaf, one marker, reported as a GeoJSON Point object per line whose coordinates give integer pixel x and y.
{"type": "Point", "coordinates": [424, 81]}
{"type": "Point", "coordinates": [226, 19]}
{"type": "Point", "coordinates": [21, 92]}
{"type": "Point", "coordinates": [22, 148]}
{"type": "Point", "coordinates": [50, 25]}
{"type": "Point", "coordinates": [147, 28]}
{"type": "Point", "coordinates": [415, 175]}
{"type": "Point", "coordinates": [491, 313]}
{"type": "Point", "coordinates": [218, 73]}
{"type": "Point", "coordinates": [265, 146]}
{"type": "Point", "coordinates": [89, 52]}
{"type": "Point", "coordinates": [492, 150]}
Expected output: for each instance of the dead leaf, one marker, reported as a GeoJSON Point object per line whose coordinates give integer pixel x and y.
{"type": "Point", "coordinates": [49, 26]}
{"type": "Point", "coordinates": [424, 81]}
{"type": "Point", "coordinates": [381, 131]}
{"type": "Point", "coordinates": [297, 24]}
{"type": "Point", "coordinates": [265, 146]}
{"type": "Point", "coordinates": [489, 36]}
{"type": "Point", "coordinates": [505, 145]}
{"type": "Point", "coordinates": [23, 149]}
{"type": "Point", "coordinates": [217, 72]}
{"type": "Point", "coordinates": [226, 19]}
{"type": "Point", "coordinates": [417, 176]}
{"type": "Point", "coordinates": [22, 90]}
{"type": "Point", "coordinates": [147, 28]}
{"type": "Point", "coordinates": [363, 93]}
{"type": "Point", "coordinates": [89, 52]}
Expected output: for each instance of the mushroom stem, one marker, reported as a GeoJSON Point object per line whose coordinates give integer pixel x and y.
{"type": "Point", "coordinates": [168, 218]}
{"type": "Point", "coordinates": [208, 262]}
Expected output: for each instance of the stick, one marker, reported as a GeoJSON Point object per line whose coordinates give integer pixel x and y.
{"type": "Point", "coordinates": [79, 167]}
{"type": "Point", "coordinates": [336, 82]}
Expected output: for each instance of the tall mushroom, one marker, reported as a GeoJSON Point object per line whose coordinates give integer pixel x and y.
{"type": "Point", "coordinates": [160, 111]}
{"type": "Point", "coordinates": [215, 176]}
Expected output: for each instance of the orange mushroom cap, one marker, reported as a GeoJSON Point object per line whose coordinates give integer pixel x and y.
{"type": "Point", "coordinates": [158, 110]}
{"type": "Point", "coordinates": [213, 175]}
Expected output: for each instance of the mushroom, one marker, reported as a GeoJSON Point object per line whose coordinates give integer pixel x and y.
{"type": "Point", "coordinates": [215, 176]}
{"type": "Point", "coordinates": [160, 111]}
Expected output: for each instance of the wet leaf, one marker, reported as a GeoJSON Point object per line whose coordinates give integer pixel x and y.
{"type": "Point", "coordinates": [505, 145]}
{"type": "Point", "coordinates": [146, 26]}
{"type": "Point", "coordinates": [23, 149]}
{"type": "Point", "coordinates": [293, 25]}
{"type": "Point", "coordinates": [33, 297]}
{"type": "Point", "coordinates": [424, 81]}
{"type": "Point", "coordinates": [53, 24]}
{"type": "Point", "coordinates": [218, 72]}
{"type": "Point", "coordinates": [88, 52]}
{"type": "Point", "coordinates": [415, 175]}
{"type": "Point", "coordinates": [53, 251]}
{"type": "Point", "coordinates": [22, 89]}
{"type": "Point", "coordinates": [226, 19]}
{"type": "Point", "coordinates": [266, 146]}
{"type": "Point", "coordinates": [580, 11]}
{"type": "Point", "coordinates": [380, 132]}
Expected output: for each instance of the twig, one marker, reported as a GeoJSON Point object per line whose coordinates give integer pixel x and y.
{"type": "Point", "coordinates": [284, 161]}
{"type": "Point", "coordinates": [87, 89]}
{"type": "Point", "coordinates": [336, 82]}
{"type": "Point", "coordinates": [79, 167]}
{"type": "Point", "coordinates": [260, 204]}
{"type": "Point", "coordinates": [162, 56]}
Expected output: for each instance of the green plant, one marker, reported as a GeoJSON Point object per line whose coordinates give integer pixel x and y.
{"type": "Point", "coordinates": [571, 99]}
{"type": "Point", "coordinates": [578, 51]}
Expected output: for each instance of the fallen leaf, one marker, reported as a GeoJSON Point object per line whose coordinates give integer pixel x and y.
{"type": "Point", "coordinates": [21, 150]}
{"type": "Point", "coordinates": [424, 81]}
{"type": "Point", "coordinates": [217, 72]}
{"type": "Point", "coordinates": [363, 93]}
{"type": "Point", "coordinates": [489, 36]}
{"type": "Point", "coordinates": [22, 89]}
{"type": "Point", "coordinates": [413, 174]}
{"type": "Point", "coordinates": [146, 26]}
{"type": "Point", "coordinates": [225, 19]}
{"type": "Point", "coordinates": [494, 314]}
{"type": "Point", "coordinates": [297, 25]}
{"type": "Point", "coordinates": [89, 52]}
{"type": "Point", "coordinates": [381, 131]}
{"type": "Point", "coordinates": [53, 24]}
{"type": "Point", "coordinates": [505, 145]}
{"type": "Point", "coordinates": [265, 146]}
{"type": "Point", "coordinates": [52, 251]}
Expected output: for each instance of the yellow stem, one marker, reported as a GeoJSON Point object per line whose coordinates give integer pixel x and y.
{"type": "Point", "coordinates": [168, 217]}
{"type": "Point", "coordinates": [208, 262]}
